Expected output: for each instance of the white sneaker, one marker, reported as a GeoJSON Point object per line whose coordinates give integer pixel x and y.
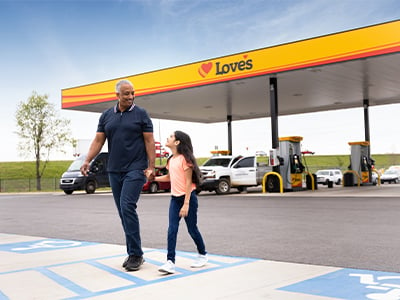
{"type": "Point", "coordinates": [168, 267]}
{"type": "Point", "coordinates": [200, 261]}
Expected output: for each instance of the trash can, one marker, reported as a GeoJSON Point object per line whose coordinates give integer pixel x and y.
{"type": "Point", "coordinates": [330, 184]}
{"type": "Point", "coordinates": [348, 179]}
{"type": "Point", "coordinates": [309, 183]}
{"type": "Point", "coordinates": [315, 181]}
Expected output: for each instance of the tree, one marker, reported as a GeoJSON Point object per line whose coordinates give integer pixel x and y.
{"type": "Point", "coordinates": [41, 131]}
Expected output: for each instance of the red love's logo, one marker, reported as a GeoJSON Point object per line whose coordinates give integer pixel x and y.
{"type": "Point", "coordinates": [205, 69]}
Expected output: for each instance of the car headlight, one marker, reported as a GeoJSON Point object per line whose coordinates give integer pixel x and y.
{"type": "Point", "coordinates": [210, 175]}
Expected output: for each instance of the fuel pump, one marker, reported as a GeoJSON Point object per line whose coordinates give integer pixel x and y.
{"type": "Point", "coordinates": [291, 170]}
{"type": "Point", "coordinates": [360, 163]}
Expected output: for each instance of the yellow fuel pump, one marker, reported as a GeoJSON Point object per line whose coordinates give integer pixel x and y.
{"type": "Point", "coordinates": [292, 168]}
{"type": "Point", "coordinates": [360, 168]}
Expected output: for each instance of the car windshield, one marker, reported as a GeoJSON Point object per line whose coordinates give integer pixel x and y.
{"type": "Point", "coordinates": [76, 165]}
{"type": "Point", "coordinates": [223, 162]}
{"type": "Point", "coordinates": [322, 173]}
{"type": "Point", "coordinates": [391, 172]}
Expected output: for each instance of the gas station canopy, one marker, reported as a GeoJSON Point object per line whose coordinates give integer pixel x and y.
{"type": "Point", "coordinates": [330, 72]}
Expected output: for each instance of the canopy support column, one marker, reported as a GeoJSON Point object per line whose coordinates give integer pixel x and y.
{"type": "Point", "coordinates": [229, 120]}
{"type": "Point", "coordinates": [366, 123]}
{"type": "Point", "coordinates": [273, 100]}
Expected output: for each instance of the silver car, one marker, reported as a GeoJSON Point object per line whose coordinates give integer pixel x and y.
{"type": "Point", "coordinates": [391, 175]}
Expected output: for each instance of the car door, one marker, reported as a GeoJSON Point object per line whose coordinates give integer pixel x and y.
{"type": "Point", "coordinates": [244, 172]}
{"type": "Point", "coordinates": [102, 174]}
{"type": "Point", "coordinates": [338, 176]}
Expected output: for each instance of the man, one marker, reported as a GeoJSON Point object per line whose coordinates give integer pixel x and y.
{"type": "Point", "coordinates": [129, 132]}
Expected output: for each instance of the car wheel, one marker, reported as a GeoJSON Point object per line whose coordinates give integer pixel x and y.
{"type": "Point", "coordinates": [153, 188]}
{"type": "Point", "coordinates": [242, 188]}
{"type": "Point", "coordinates": [68, 192]}
{"type": "Point", "coordinates": [223, 186]}
{"type": "Point", "coordinates": [326, 182]}
{"type": "Point", "coordinates": [339, 182]}
{"type": "Point", "coordinates": [273, 184]}
{"type": "Point", "coordinates": [90, 187]}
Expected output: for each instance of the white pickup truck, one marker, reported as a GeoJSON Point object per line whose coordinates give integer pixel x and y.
{"type": "Point", "coordinates": [221, 173]}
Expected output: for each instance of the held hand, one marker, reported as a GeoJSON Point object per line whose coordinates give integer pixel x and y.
{"type": "Point", "coordinates": [149, 174]}
{"type": "Point", "coordinates": [184, 211]}
{"type": "Point", "coordinates": [85, 169]}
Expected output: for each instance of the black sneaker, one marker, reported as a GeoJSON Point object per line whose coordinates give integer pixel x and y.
{"type": "Point", "coordinates": [125, 262]}
{"type": "Point", "coordinates": [133, 263]}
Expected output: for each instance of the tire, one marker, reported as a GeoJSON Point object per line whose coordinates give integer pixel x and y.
{"type": "Point", "coordinates": [223, 187]}
{"type": "Point", "coordinates": [153, 188]}
{"type": "Point", "coordinates": [273, 184]}
{"type": "Point", "coordinates": [326, 182]}
{"type": "Point", "coordinates": [90, 187]}
{"type": "Point", "coordinates": [68, 192]}
{"type": "Point", "coordinates": [339, 182]}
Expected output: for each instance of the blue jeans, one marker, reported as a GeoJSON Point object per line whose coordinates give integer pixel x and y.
{"type": "Point", "coordinates": [175, 206]}
{"type": "Point", "coordinates": [126, 188]}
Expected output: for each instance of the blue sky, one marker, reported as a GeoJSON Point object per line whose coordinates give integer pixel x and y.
{"type": "Point", "coordinates": [50, 45]}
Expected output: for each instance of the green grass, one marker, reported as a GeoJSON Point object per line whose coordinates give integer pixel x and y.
{"type": "Point", "coordinates": [26, 169]}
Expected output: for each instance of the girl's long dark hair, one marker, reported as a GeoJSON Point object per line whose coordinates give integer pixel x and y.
{"type": "Point", "coordinates": [186, 149]}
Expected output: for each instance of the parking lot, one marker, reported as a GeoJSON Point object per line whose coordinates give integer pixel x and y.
{"type": "Point", "coordinates": [329, 226]}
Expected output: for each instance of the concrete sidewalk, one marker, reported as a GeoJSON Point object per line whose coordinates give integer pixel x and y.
{"type": "Point", "coordinates": [42, 268]}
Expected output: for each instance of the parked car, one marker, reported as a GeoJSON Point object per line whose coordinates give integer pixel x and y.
{"type": "Point", "coordinates": [391, 175]}
{"type": "Point", "coordinates": [324, 176]}
{"type": "Point", "coordinates": [155, 186]}
{"type": "Point", "coordinates": [221, 173]}
{"type": "Point", "coordinates": [374, 178]}
{"type": "Point", "coordinates": [261, 153]}
{"type": "Point", "coordinates": [160, 151]}
{"type": "Point", "coordinates": [396, 167]}
{"type": "Point", "coordinates": [72, 179]}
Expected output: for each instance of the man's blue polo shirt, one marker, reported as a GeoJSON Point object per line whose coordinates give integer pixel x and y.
{"type": "Point", "coordinates": [124, 133]}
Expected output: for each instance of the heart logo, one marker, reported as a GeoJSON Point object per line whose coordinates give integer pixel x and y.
{"type": "Point", "coordinates": [205, 69]}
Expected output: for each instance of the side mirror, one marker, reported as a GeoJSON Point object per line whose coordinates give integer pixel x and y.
{"type": "Point", "coordinates": [94, 169]}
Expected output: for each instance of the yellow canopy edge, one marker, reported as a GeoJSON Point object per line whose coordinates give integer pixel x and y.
{"type": "Point", "coordinates": [354, 44]}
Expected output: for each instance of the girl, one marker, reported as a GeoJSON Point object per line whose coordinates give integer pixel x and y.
{"type": "Point", "coordinates": [184, 175]}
